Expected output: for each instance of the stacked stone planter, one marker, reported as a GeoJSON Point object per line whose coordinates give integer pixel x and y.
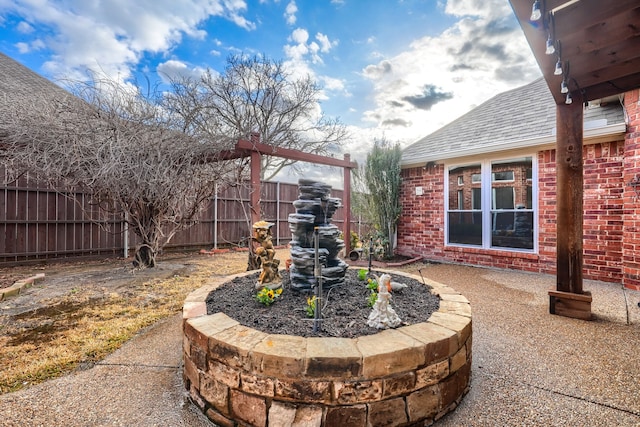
{"type": "Point", "coordinates": [411, 375]}
{"type": "Point", "coordinates": [314, 211]}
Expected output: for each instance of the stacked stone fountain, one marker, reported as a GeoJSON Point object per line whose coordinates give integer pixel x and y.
{"type": "Point", "coordinates": [314, 209]}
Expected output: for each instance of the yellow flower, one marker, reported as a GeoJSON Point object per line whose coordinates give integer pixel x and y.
{"type": "Point", "coordinates": [279, 291]}
{"type": "Point", "coordinates": [270, 293]}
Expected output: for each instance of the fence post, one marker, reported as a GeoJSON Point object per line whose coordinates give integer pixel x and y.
{"type": "Point", "coordinates": [215, 218]}
{"type": "Point", "coordinates": [278, 213]}
{"type": "Point", "coordinates": [125, 240]}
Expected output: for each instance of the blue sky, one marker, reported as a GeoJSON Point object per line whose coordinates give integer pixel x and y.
{"type": "Point", "coordinates": [398, 69]}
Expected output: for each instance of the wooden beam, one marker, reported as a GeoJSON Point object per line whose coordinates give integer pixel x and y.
{"type": "Point", "coordinates": [268, 150]}
{"type": "Point", "coordinates": [569, 200]}
{"type": "Point", "coordinates": [595, 37]}
{"type": "Point", "coordinates": [586, 13]}
{"type": "Point", "coordinates": [604, 89]}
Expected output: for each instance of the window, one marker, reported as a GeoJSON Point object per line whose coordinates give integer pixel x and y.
{"type": "Point", "coordinates": [465, 214]}
{"type": "Point", "coordinates": [460, 180]}
{"type": "Point", "coordinates": [496, 210]}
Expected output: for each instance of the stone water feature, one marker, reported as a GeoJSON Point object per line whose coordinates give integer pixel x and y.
{"type": "Point", "coordinates": [410, 375]}
{"type": "Point", "coordinates": [314, 211]}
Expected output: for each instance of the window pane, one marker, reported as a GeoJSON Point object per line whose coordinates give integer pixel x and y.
{"type": "Point", "coordinates": [512, 229]}
{"type": "Point", "coordinates": [460, 180]}
{"type": "Point", "coordinates": [511, 183]}
{"type": "Point", "coordinates": [465, 228]}
{"type": "Point", "coordinates": [503, 176]}
{"type": "Point", "coordinates": [503, 198]}
{"type": "Point", "coordinates": [476, 198]}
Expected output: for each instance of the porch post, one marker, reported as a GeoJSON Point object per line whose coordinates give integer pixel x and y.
{"type": "Point", "coordinates": [569, 299]}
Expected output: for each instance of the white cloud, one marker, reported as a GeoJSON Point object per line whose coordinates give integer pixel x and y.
{"type": "Point", "coordinates": [36, 44]}
{"type": "Point", "coordinates": [23, 47]}
{"type": "Point", "coordinates": [440, 78]}
{"type": "Point", "coordinates": [24, 28]}
{"type": "Point", "coordinates": [173, 69]}
{"type": "Point", "coordinates": [290, 13]}
{"type": "Point", "coordinates": [325, 43]}
{"type": "Point", "coordinates": [112, 36]}
{"type": "Point", "coordinates": [299, 36]}
{"type": "Point", "coordinates": [478, 8]}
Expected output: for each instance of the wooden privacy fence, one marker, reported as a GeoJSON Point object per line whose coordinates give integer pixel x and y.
{"type": "Point", "coordinates": [38, 223]}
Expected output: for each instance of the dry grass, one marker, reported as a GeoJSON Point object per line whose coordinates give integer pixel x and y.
{"type": "Point", "coordinates": [80, 330]}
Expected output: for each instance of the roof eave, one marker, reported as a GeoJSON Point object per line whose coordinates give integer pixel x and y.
{"type": "Point", "coordinates": [591, 136]}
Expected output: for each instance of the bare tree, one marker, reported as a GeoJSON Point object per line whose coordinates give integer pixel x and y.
{"type": "Point", "coordinates": [257, 95]}
{"type": "Point", "coordinates": [122, 149]}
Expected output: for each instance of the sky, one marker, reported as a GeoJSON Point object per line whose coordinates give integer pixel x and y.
{"type": "Point", "coordinates": [389, 69]}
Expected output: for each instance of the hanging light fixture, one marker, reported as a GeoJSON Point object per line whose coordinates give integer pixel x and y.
{"type": "Point", "coordinates": [568, 100]}
{"type": "Point", "coordinates": [536, 14]}
{"type": "Point", "coordinates": [551, 49]}
{"type": "Point", "coordinates": [563, 87]}
{"type": "Point", "coordinates": [558, 70]}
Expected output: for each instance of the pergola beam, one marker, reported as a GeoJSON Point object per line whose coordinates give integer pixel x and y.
{"type": "Point", "coordinates": [256, 149]}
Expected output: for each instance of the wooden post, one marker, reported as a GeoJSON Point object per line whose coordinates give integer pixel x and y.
{"type": "Point", "coordinates": [255, 186]}
{"type": "Point", "coordinates": [346, 229]}
{"type": "Point", "coordinates": [568, 299]}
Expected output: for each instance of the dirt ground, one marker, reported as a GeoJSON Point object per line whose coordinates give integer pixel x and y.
{"type": "Point", "coordinates": [95, 278]}
{"type": "Point", "coordinates": [83, 310]}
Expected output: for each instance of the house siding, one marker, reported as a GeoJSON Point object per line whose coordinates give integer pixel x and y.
{"type": "Point", "coordinates": [611, 244]}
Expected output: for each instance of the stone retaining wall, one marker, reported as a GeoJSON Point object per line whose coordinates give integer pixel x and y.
{"type": "Point", "coordinates": [411, 375]}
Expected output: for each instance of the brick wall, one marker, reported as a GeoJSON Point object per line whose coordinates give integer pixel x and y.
{"type": "Point", "coordinates": [631, 216]}
{"type": "Point", "coordinates": [421, 228]}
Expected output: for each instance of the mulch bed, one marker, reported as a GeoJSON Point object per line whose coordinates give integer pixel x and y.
{"type": "Point", "coordinates": [345, 311]}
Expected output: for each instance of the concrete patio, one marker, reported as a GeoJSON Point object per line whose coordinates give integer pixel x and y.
{"type": "Point", "coordinates": [529, 367]}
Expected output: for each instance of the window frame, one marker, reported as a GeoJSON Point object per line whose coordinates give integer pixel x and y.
{"type": "Point", "coordinates": [487, 200]}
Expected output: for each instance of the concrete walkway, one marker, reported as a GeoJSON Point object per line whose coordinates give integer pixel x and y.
{"type": "Point", "coordinates": [529, 367]}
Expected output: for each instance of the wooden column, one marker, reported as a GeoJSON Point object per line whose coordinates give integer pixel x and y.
{"type": "Point", "coordinates": [569, 299]}
{"type": "Point", "coordinates": [255, 186]}
{"type": "Point", "coordinates": [346, 201]}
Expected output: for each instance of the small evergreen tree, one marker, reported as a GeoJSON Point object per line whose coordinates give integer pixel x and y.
{"type": "Point", "coordinates": [381, 181]}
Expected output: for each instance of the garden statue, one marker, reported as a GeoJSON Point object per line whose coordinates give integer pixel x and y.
{"type": "Point", "coordinates": [383, 315]}
{"type": "Point", "coordinates": [265, 256]}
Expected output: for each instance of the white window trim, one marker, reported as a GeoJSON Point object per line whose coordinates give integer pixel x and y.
{"type": "Point", "coordinates": [485, 168]}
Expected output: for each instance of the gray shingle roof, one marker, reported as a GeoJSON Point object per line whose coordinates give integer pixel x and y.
{"type": "Point", "coordinates": [19, 81]}
{"type": "Point", "coordinates": [518, 118]}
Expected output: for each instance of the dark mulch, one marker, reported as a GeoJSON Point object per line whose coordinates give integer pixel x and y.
{"type": "Point", "coordinates": [345, 312]}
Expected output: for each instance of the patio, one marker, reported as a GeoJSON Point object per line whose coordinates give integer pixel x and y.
{"type": "Point", "coordinates": [521, 380]}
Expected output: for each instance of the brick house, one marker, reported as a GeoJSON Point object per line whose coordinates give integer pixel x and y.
{"type": "Point", "coordinates": [482, 189]}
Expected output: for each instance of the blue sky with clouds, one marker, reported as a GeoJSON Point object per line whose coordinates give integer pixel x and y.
{"type": "Point", "coordinates": [398, 69]}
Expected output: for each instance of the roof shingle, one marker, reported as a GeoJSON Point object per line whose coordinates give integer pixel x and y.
{"type": "Point", "coordinates": [527, 113]}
